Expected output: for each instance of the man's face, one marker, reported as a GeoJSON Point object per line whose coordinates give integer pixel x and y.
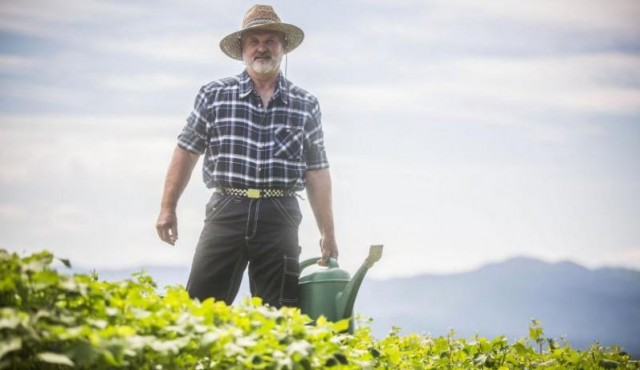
{"type": "Point", "coordinates": [262, 51]}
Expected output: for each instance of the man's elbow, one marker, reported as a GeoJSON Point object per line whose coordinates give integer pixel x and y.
{"type": "Point", "coordinates": [318, 179]}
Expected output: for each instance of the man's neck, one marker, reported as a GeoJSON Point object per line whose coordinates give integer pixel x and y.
{"type": "Point", "coordinates": [264, 82]}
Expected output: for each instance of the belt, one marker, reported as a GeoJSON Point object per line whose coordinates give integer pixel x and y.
{"type": "Point", "coordinates": [257, 193]}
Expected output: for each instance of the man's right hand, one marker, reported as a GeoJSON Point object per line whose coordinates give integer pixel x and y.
{"type": "Point", "coordinates": [167, 226]}
{"type": "Point", "coordinates": [180, 169]}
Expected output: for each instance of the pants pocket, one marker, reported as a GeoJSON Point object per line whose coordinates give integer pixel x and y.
{"type": "Point", "coordinates": [216, 204]}
{"type": "Point", "coordinates": [290, 210]}
{"type": "Point", "coordinates": [289, 289]}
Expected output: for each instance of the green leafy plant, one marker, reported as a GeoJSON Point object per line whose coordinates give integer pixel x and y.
{"type": "Point", "coordinates": [53, 320]}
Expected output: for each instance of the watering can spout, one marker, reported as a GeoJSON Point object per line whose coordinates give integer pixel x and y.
{"type": "Point", "coordinates": [347, 298]}
{"type": "Point", "coordinates": [331, 292]}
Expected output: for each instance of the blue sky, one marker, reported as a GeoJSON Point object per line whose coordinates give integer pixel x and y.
{"type": "Point", "coordinates": [459, 132]}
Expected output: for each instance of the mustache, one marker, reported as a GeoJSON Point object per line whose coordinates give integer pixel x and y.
{"type": "Point", "coordinates": [263, 55]}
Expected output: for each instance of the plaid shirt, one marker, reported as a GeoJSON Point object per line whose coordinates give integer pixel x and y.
{"type": "Point", "coordinates": [247, 146]}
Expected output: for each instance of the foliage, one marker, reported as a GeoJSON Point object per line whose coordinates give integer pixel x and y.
{"type": "Point", "coordinates": [51, 320]}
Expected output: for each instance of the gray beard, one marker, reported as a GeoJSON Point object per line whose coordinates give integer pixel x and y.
{"type": "Point", "coordinates": [263, 68]}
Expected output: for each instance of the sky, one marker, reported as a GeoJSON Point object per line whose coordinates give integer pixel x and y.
{"type": "Point", "coordinates": [459, 132]}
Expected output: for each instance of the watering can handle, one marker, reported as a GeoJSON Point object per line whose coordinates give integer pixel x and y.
{"type": "Point", "coordinates": [375, 253]}
{"type": "Point", "coordinates": [333, 263]}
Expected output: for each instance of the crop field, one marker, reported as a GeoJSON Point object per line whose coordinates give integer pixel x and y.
{"type": "Point", "coordinates": [53, 320]}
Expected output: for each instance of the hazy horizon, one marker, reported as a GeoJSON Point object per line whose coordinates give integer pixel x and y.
{"type": "Point", "coordinates": [149, 268]}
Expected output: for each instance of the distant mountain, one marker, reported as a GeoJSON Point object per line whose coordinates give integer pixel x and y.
{"type": "Point", "coordinates": [582, 305]}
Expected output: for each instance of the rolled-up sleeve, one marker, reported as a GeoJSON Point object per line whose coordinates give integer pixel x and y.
{"type": "Point", "coordinates": [315, 154]}
{"type": "Point", "coordinates": [193, 137]}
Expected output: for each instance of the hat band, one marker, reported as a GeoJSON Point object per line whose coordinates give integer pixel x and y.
{"type": "Point", "coordinates": [259, 21]}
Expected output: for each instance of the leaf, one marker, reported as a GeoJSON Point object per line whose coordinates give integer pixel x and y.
{"type": "Point", "coordinates": [481, 359]}
{"type": "Point", "coordinates": [394, 355]}
{"type": "Point", "coordinates": [341, 358]}
{"type": "Point", "coordinates": [65, 261]}
{"type": "Point", "coordinates": [374, 352]}
{"type": "Point", "coordinates": [535, 330]}
{"type": "Point", "coordinates": [609, 364]}
{"type": "Point", "coordinates": [256, 301]}
{"type": "Point", "coordinates": [55, 358]}
{"type": "Point", "coordinates": [342, 325]}
{"type": "Point", "coordinates": [321, 321]}
{"type": "Point", "coordinates": [9, 322]}
{"type": "Point", "coordinates": [13, 344]}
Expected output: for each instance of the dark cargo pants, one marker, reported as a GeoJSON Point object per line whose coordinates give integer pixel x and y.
{"type": "Point", "coordinates": [240, 231]}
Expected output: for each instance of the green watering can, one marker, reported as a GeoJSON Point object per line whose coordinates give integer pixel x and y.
{"type": "Point", "coordinates": [331, 291]}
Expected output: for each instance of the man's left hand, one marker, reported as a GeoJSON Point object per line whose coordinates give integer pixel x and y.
{"type": "Point", "coordinates": [329, 249]}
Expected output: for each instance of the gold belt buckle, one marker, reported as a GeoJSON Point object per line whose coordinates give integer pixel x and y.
{"type": "Point", "coordinates": [253, 193]}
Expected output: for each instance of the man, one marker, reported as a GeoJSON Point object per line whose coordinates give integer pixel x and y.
{"type": "Point", "coordinates": [262, 141]}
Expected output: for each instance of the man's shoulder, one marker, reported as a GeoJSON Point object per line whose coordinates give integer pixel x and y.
{"type": "Point", "coordinates": [226, 83]}
{"type": "Point", "coordinates": [298, 92]}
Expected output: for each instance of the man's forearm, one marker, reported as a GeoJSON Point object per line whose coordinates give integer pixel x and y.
{"type": "Point", "coordinates": [319, 193]}
{"type": "Point", "coordinates": [178, 175]}
{"type": "Point", "coordinates": [320, 199]}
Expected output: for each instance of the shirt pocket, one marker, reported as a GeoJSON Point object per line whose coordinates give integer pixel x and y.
{"type": "Point", "coordinates": [288, 143]}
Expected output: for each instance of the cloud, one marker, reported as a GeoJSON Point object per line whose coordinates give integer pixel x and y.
{"type": "Point", "coordinates": [15, 63]}
{"type": "Point", "coordinates": [628, 257]}
{"type": "Point", "coordinates": [54, 19]}
{"type": "Point", "coordinates": [68, 11]}
{"type": "Point", "coordinates": [186, 48]}
{"type": "Point", "coordinates": [595, 15]}
{"type": "Point", "coordinates": [10, 212]}
{"type": "Point", "coordinates": [87, 186]}
{"type": "Point", "coordinates": [41, 93]}
{"type": "Point", "coordinates": [446, 29]}
{"type": "Point", "coordinates": [147, 82]}
{"type": "Point", "coordinates": [65, 146]}
{"type": "Point", "coordinates": [528, 94]}
{"type": "Point", "coordinates": [583, 83]}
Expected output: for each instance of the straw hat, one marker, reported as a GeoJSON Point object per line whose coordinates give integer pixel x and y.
{"type": "Point", "coordinates": [261, 17]}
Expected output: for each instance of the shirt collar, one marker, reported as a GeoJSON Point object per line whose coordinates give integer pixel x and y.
{"type": "Point", "coordinates": [282, 87]}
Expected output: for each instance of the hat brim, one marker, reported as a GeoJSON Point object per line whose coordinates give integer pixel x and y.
{"type": "Point", "coordinates": [231, 45]}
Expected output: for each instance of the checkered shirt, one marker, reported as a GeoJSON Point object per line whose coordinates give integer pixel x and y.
{"type": "Point", "coordinates": [248, 146]}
